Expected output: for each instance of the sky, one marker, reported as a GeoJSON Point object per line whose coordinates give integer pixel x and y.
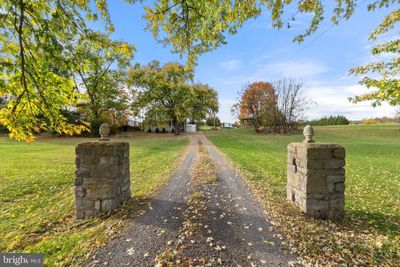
{"type": "Point", "coordinates": [260, 53]}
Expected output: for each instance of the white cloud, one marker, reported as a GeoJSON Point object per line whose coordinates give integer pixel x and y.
{"type": "Point", "coordinates": [230, 65]}
{"type": "Point", "coordinates": [293, 69]}
{"type": "Point", "coordinates": [272, 71]}
{"type": "Point", "coordinates": [333, 100]}
{"type": "Point", "coordinates": [330, 96]}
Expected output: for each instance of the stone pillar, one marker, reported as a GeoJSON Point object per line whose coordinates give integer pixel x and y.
{"type": "Point", "coordinates": [315, 179]}
{"type": "Point", "coordinates": [102, 179]}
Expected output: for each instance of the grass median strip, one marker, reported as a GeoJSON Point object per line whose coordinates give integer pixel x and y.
{"type": "Point", "coordinates": [183, 251]}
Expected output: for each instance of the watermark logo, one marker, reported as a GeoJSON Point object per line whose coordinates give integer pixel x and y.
{"type": "Point", "coordinates": [21, 260]}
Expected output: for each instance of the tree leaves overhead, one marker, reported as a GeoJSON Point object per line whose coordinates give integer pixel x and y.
{"type": "Point", "coordinates": [194, 27]}
{"type": "Point", "coordinates": [38, 62]}
{"type": "Point", "coordinates": [381, 75]}
{"type": "Point", "coordinates": [38, 43]}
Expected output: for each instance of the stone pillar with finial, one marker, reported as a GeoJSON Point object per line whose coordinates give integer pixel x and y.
{"type": "Point", "coordinates": [308, 133]}
{"type": "Point", "coordinates": [104, 132]}
{"type": "Point", "coordinates": [102, 181]}
{"type": "Point", "coordinates": [316, 176]}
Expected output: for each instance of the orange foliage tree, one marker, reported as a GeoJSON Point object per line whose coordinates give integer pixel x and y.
{"type": "Point", "coordinates": [258, 105]}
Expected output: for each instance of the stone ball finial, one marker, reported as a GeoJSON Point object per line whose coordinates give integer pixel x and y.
{"type": "Point", "coordinates": [104, 132]}
{"type": "Point", "coordinates": [308, 133]}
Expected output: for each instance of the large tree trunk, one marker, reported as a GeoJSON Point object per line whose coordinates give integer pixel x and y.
{"type": "Point", "coordinates": [256, 125]}
{"type": "Point", "coordinates": [176, 126]}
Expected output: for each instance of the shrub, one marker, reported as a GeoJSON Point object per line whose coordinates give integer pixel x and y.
{"type": "Point", "coordinates": [369, 121]}
{"type": "Point", "coordinates": [325, 121]}
{"type": "Point", "coordinates": [210, 121]}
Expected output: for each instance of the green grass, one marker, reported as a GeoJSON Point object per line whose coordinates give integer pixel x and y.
{"type": "Point", "coordinates": [372, 169]}
{"type": "Point", "coordinates": [204, 128]}
{"type": "Point", "coordinates": [37, 195]}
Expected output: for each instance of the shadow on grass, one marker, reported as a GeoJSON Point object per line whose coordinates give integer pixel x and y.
{"type": "Point", "coordinates": [382, 223]}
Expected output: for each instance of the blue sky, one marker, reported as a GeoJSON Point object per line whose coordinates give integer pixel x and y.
{"type": "Point", "coordinates": [259, 53]}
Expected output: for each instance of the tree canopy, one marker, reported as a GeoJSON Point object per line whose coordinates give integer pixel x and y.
{"type": "Point", "coordinates": [39, 60]}
{"type": "Point", "coordinates": [258, 104]}
{"type": "Point", "coordinates": [103, 81]}
{"type": "Point", "coordinates": [165, 94]}
{"type": "Point", "coordinates": [271, 107]}
{"type": "Point", "coordinates": [196, 27]}
{"type": "Point", "coordinates": [38, 41]}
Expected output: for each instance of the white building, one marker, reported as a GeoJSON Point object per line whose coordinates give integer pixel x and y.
{"type": "Point", "coordinates": [227, 125]}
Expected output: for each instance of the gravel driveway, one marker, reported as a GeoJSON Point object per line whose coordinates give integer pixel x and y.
{"type": "Point", "coordinates": [233, 230]}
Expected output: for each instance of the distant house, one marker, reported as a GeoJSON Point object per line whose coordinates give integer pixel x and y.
{"type": "Point", "coordinates": [227, 125]}
{"type": "Point", "coordinates": [133, 122]}
{"type": "Point", "coordinates": [169, 128]}
{"type": "Point", "coordinates": [190, 128]}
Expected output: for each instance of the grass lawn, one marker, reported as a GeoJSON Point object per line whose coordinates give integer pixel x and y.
{"type": "Point", "coordinates": [37, 195]}
{"type": "Point", "coordinates": [370, 233]}
{"type": "Point", "coordinates": [204, 128]}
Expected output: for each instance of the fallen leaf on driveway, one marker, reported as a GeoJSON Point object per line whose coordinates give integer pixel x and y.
{"type": "Point", "coordinates": [130, 251]}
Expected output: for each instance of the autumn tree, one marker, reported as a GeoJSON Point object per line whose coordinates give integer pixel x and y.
{"type": "Point", "coordinates": [104, 80]}
{"type": "Point", "coordinates": [196, 27]}
{"type": "Point", "coordinates": [258, 104]}
{"type": "Point", "coordinates": [38, 40]}
{"type": "Point", "coordinates": [166, 95]}
{"type": "Point", "coordinates": [204, 102]}
{"type": "Point", "coordinates": [213, 121]}
{"type": "Point", "coordinates": [38, 60]}
{"type": "Point", "coordinates": [272, 107]}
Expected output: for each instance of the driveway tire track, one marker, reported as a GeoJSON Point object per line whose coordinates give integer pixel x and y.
{"type": "Point", "coordinates": [145, 236]}
{"type": "Point", "coordinates": [233, 219]}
